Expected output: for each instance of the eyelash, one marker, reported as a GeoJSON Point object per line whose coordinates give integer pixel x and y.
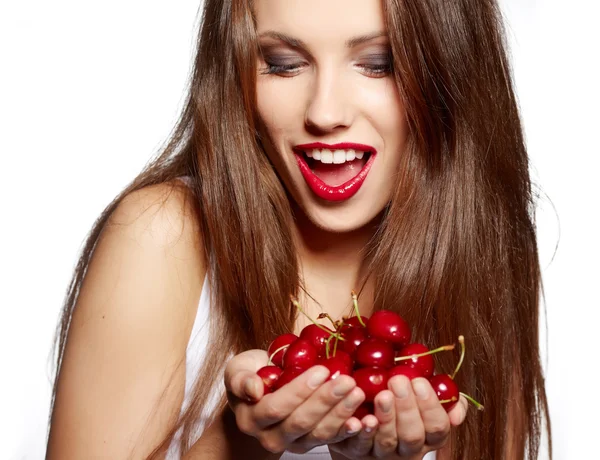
{"type": "Point", "coordinates": [287, 70]}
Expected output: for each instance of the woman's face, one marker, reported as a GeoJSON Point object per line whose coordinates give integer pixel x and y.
{"type": "Point", "coordinates": [326, 97]}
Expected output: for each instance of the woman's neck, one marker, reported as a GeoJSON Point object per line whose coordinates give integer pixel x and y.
{"type": "Point", "coordinates": [331, 266]}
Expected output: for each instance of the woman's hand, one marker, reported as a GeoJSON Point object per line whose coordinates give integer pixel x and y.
{"type": "Point", "coordinates": [412, 422]}
{"type": "Point", "coordinates": [307, 412]}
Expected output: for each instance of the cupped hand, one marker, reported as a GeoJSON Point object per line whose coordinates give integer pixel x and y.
{"type": "Point", "coordinates": [307, 412]}
{"type": "Point", "coordinates": [411, 423]}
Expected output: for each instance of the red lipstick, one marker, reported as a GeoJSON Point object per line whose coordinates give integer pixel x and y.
{"type": "Point", "coordinates": [339, 192]}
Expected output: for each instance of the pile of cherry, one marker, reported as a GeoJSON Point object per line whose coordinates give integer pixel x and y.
{"type": "Point", "coordinates": [371, 350]}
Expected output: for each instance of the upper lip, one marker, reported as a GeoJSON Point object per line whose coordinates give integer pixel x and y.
{"type": "Point", "coordinates": [338, 146]}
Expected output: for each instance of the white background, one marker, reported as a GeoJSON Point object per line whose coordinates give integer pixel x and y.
{"type": "Point", "coordinates": [89, 91]}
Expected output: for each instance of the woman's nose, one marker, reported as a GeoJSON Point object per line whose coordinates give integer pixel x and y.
{"type": "Point", "coordinates": [329, 105]}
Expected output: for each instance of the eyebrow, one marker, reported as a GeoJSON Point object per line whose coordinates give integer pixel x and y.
{"type": "Point", "coordinates": [297, 43]}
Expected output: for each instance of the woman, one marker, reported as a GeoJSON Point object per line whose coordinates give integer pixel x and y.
{"type": "Point", "coordinates": [425, 211]}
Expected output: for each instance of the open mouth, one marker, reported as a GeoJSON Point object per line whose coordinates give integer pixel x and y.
{"type": "Point", "coordinates": [335, 167]}
{"type": "Point", "coordinates": [335, 173]}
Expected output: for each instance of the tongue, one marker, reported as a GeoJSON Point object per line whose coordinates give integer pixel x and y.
{"type": "Point", "coordinates": [334, 175]}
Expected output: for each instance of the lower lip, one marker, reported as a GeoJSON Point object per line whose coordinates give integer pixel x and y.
{"type": "Point", "coordinates": [340, 192]}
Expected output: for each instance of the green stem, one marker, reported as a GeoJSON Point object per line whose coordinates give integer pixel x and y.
{"type": "Point", "coordinates": [461, 340]}
{"type": "Point", "coordinates": [326, 315]}
{"type": "Point", "coordinates": [445, 401]}
{"type": "Point", "coordinates": [355, 303]}
{"type": "Point", "coordinates": [478, 405]}
{"type": "Point", "coordinates": [430, 352]}
{"type": "Point", "coordinates": [275, 352]}
{"type": "Point", "coordinates": [320, 326]}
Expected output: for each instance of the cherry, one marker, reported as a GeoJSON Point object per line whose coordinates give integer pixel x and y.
{"type": "Point", "coordinates": [375, 353]}
{"type": "Point", "coordinates": [371, 380]}
{"type": "Point", "coordinates": [317, 336]}
{"type": "Point", "coordinates": [388, 325]}
{"type": "Point", "coordinates": [407, 371]}
{"type": "Point", "coordinates": [288, 374]}
{"type": "Point", "coordinates": [446, 390]}
{"type": "Point", "coordinates": [363, 410]}
{"type": "Point", "coordinates": [341, 354]}
{"type": "Point", "coordinates": [269, 376]}
{"type": "Point", "coordinates": [337, 365]}
{"type": "Point", "coordinates": [300, 354]}
{"type": "Point", "coordinates": [423, 364]}
{"type": "Point", "coordinates": [353, 337]}
{"type": "Point", "coordinates": [276, 351]}
{"type": "Point", "coordinates": [353, 321]}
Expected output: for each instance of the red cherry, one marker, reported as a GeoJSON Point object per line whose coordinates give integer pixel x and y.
{"type": "Point", "coordinates": [300, 354]}
{"type": "Point", "coordinates": [288, 374]}
{"type": "Point", "coordinates": [269, 376]}
{"type": "Point", "coordinates": [446, 390]}
{"type": "Point", "coordinates": [388, 325]}
{"type": "Point", "coordinates": [279, 342]}
{"type": "Point", "coordinates": [353, 321]}
{"type": "Point", "coordinates": [317, 337]}
{"type": "Point", "coordinates": [423, 364]}
{"type": "Point", "coordinates": [375, 353]}
{"type": "Point", "coordinates": [337, 365]}
{"type": "Point", "coordinates": [353, 337]}
{"type": "Point", "coordinates": [363, 410]}
{"type": "Point", "coordinates": [341, 354]}
{"type": "Point", "coordinates": [371, 380]}
{"type": "Point", "coordinates": [407, 371]}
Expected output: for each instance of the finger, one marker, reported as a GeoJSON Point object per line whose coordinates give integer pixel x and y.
{"type": "Point", "coordinates": [434, 416]}
{"type": "Point", "coordinates": [409, 425]}
{"type": "Point", "coordinates": [362, 444]}
{"type": "Point", "coordinates": [458, 413]}
{"type": "Point", "coordinates": [277, 406]}
{"type": "Point", "coordinates": [242, 366]}
{"type": "Point", "coordinates": [245, 386]}
{"type": "Point", "coordinates": [338, 424]}
{"type": "Point", "coordinates": [386, 439]}
{"type": "Point", "coordinates": [310, 413]}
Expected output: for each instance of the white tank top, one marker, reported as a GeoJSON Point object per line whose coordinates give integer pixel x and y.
{"type": "Point", "coordinates": [195, 353]}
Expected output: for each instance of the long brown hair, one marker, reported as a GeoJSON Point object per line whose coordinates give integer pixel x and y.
{"type": "Point", "coordinates": [456, 251]}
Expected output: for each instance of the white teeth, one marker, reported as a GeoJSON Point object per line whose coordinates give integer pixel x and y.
{"type": "Point", "coordinates": [334, 156]}
{"type": "Point", "coordinates": [326, 156]}
{"type": "Point", "coordinates": [339, 157]}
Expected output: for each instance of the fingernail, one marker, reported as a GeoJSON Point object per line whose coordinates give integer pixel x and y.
{"type": "Point", "coordinates": [352, 430]}
{"type": "Point", "coordinates": [386, 405]}
{"type": "Point", "coordinates": [342, 388]}
{"type": "Point", "coordinates": [352, 400]}
{"type": "Point", "coordinates": [400, 387]}
{"type": "Point", "coordinates": [250, 389]}
{"type": "Point", "coordinates": [368, 429]}
{"type": "Point", "coordinates": [420, 387]}
{"type": "Point", "coordinates": [319, 376]}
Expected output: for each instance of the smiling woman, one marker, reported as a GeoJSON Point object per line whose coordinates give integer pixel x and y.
{"type": "Point", "coordinates": [325, 147]}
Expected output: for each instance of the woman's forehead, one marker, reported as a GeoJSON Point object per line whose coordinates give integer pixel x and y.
{"type": "Point", "coordinates": [326, 20]}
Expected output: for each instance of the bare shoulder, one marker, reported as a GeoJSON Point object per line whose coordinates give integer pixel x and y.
{"type": "Point", "coordinates": [122, 380]}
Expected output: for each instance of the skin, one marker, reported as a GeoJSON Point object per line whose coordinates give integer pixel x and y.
{"type": "Point", "coordinates": [122, 381]}
{"type": "Point", "coordinates": [328, 93]}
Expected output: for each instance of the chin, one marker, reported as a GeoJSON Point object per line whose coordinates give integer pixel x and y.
{"type": "Point", "coordinates": [345, 218]}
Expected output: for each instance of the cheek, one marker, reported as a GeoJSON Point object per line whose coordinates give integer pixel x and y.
{"type": "Point", "coordinates": [278, 108]}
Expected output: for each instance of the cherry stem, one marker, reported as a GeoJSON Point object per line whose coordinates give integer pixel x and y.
{"type": "Point", "coordinates": [326, 315]}
{"type": "Point", "coordinates": [452, 399]}
{"type": "Point", "coordinates": [327, 346]}
{"type": "Point", "coordinates": [461, 340]}
{"type": "Point", "coordinates": [355, 303]}
{"type": "Point", "coordinates": [270, 363]}
{"type": "Point", "coordinates": [320, 326]}
{"type": "Point", "coordinates": [478, 405]}
{"type": "Point", "coordinates": [430, 352]}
